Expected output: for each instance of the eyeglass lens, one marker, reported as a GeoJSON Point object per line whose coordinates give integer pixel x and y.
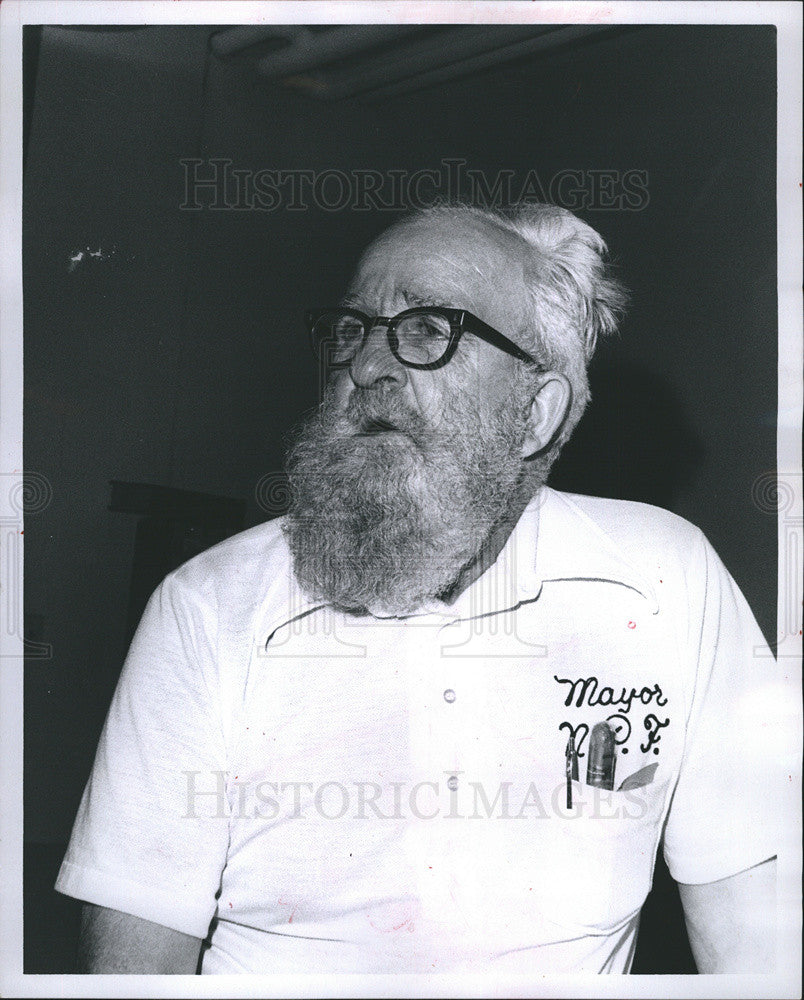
{"type": "Point", "coordinates": [422, 338]}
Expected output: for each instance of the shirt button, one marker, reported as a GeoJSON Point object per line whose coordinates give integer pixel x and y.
{"type": "Point", "coordinates": [452, 783]}
{"type": "Point", "coordinates": [449, 695]}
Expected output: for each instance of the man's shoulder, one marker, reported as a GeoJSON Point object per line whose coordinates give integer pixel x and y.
{"type": "Point", "coordinates": [242, 560]}
{"type": "Point", "coordinates": [638, 528]}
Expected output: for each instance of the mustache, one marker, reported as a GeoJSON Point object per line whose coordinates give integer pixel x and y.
{"type": "Point", "coordinates": [378, 426]}
{"type": "Point", "coordinates": [369, 411]}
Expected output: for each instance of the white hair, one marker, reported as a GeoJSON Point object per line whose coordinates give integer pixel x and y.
{"type": "Point", "coordinates": [573, 298]}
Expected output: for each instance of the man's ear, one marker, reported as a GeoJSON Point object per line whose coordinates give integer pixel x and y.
{"type": "Point", "coordinates": [548, 412]}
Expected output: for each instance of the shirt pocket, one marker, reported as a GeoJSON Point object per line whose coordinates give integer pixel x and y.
{"type": "Point", "coordinates": [597, 856]}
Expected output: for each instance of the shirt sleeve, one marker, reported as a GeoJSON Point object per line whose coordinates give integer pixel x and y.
{"type": "Point", "coordinates": [724, 816]}
{"type": "Point", "coordinates": [151, 833]}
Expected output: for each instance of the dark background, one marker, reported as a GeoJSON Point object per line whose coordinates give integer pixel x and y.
{"type": "Point", "coordinates": [178, 359]}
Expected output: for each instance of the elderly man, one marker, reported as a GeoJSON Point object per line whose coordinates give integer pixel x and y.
{"type": "Point", "coordinates": [440, 717]}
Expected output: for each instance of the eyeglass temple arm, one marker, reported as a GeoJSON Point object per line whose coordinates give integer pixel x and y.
{"type": "Point", "coordinates": [496, 339]}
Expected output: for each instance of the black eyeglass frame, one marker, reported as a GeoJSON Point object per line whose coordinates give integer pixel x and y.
{"type": "Point", "coordinates": [460, 321]}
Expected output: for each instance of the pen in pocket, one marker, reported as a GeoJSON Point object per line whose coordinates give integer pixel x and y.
{"type": "Point", "coordinates": [571, 767]}
{"type": "Point", "coordinates": [602, 757]}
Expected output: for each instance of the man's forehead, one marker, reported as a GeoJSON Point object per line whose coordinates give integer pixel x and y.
{"type": "Point", "coordinates": [439, 261]}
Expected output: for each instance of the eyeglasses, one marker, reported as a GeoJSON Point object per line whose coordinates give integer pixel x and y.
{"type": "Point", "coordinates": [424, 338]}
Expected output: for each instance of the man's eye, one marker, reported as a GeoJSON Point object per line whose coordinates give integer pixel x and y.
{"type": "Point", "coordinates": [436, 328]}
{"type": "Point", "coordinates": [348, 330]}
{"type": "Point", "coordinates": [425, 328]}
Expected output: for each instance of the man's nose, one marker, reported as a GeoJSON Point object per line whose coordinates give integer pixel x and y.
{"type": "Point", "coordinates": [374, 364]}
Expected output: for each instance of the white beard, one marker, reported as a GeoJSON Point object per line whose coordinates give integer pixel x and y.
{"type": "Point", "coordinates": [387, 521]}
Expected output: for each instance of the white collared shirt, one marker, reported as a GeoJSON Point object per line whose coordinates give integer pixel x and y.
{"type": "Point", "coordinates": [368, 794]}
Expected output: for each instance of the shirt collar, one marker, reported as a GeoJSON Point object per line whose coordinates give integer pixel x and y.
{"type": "Point", "coordinates": [571, 546]}
{"type": "Point", "coordinates": [284, 601]}
{"type": "Point", "coordinates": [553, 540]}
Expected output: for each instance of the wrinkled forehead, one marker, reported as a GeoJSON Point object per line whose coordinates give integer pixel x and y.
{"type": "Point", "coordinates": [467, 263]}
